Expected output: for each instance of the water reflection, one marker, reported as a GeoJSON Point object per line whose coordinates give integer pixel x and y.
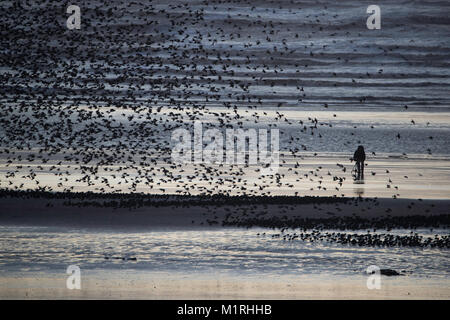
{"type": "Point", "coordinates": [359, 191]}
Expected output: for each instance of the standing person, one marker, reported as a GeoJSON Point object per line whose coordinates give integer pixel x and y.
{"type": "Point", "coordinates": [360, 156]}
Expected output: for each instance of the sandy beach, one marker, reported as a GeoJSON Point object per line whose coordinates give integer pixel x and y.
{"type": "Point", "coordinates": [151, 286]}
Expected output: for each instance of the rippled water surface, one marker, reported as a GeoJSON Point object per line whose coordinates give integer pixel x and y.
{"type": "Point", "coordinates": [204, 252]}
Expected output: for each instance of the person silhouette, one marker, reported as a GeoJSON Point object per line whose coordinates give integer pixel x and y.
{"type": "Point", "coordinates": [359, 156]}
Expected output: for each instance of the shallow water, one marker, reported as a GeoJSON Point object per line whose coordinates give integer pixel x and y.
{"type": "Point", "coordinates": [206, 253]}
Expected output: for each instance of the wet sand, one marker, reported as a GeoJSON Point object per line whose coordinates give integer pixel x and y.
{"type": "Point", "coordinates": [304, 175]}
{"type": "Point", "coordinates": [149, 286]}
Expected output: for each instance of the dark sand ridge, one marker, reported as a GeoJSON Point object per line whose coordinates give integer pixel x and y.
{"type": "Point", "coordinates": [154, 211]}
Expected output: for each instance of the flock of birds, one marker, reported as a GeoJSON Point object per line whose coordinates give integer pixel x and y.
{"type": "Point", "coordinates": [96, 107]}
{"type": "Point", "coordinates": [368, 239]}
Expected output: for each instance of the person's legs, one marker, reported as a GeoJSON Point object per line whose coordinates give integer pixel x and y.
{"type": "Point", "coordinates": [358, 169]}
{"type": "Point", "coordinates": [362, 169]}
